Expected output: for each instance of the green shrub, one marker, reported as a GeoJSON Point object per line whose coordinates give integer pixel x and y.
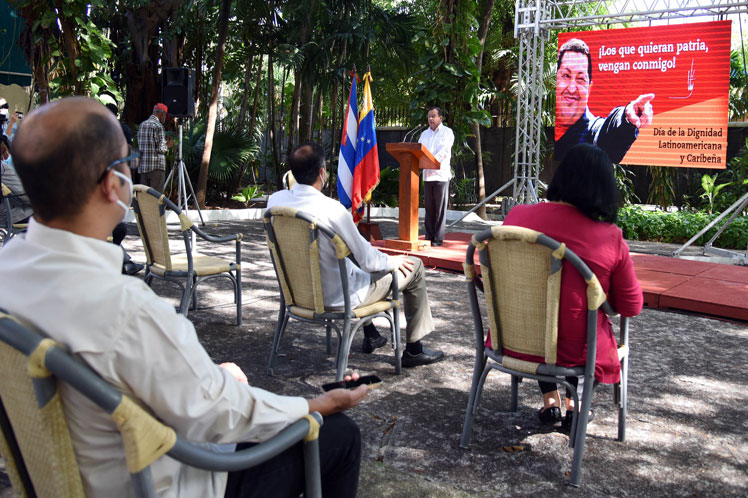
{"type": "Point", "coordinates": [679, 226]}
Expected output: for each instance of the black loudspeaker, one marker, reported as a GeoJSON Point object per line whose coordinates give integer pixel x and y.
{"type": "Point", "coordinates": [178, 88]}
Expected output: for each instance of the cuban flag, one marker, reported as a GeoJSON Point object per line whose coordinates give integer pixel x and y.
{"type": "Point", "coordinates": [366, 172]}
{"type": "Point", "coordinates": [347, 158]}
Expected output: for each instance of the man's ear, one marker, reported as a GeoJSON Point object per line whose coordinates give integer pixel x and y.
{"type": "Point", "coordinates": [109, 186]}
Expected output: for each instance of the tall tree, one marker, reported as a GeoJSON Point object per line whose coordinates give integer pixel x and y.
{"type": "Point", "coordinates": [223, 28]}
{"type": "Point", "coordinates": [486, 9]}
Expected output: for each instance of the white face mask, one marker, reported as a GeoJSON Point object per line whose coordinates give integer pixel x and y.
{"type": "Point", "coordinates": [121, 204]}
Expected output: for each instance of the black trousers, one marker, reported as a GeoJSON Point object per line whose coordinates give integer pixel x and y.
{"type": "Point", "coordinates": [283, 476]}
{"type": "Point", "coordinates": [547, 387]}
{"type": "Point", "coordinates": [435, 197]}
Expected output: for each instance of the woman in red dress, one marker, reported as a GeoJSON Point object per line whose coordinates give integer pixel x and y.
{"type": "Point", "coordinates": [582, 212]}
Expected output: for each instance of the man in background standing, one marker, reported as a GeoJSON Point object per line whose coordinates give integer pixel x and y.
{"type": "Point", "coordinates": [153, 146]}
{"type": "Point", "coordinates": [438, 139]}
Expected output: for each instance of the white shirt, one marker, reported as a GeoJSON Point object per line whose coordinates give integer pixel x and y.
{"type": "Point", "coordinates": [338, 218]}
{"type": "Point", "coordinates": [439, 143]}
{"type": "Point", "coordinates": [70, 287]}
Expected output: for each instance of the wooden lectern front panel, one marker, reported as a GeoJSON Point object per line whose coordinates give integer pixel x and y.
{"type": "Point", "coordinates": [409, 186]}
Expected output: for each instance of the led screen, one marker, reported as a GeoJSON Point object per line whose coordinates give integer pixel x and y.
{"type": "Point", "coordinates": [654, 96]}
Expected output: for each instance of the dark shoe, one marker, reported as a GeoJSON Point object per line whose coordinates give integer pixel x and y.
{"type": "Point", "coordinates": [131, 268]}
{"type": "Point", "coordinates": [425, 357]}
{"type": "Point", "coordinates": [437, 244]}
{"type": "Point", "coordinates": [370, 344]}
{"type": "Point", "coordinates": [566, 424]}
{"type": "Point", "coordinates": [550, 416]}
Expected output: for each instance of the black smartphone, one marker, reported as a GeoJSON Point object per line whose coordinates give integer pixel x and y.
{"type": "Point", "coordinates": [369, 380]}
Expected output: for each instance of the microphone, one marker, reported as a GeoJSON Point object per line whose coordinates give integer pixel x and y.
{"type": "Point", "coordinates": [413, 132]}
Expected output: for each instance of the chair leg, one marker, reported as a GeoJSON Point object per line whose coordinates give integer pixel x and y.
{"type": "Point", "coordinates": [328, 339]}
{"type": "Point", "coordinates": [238, 295]}
{"type": "Point", "coordinates": [396, 342]}
{"type": "Point", "coordinates": [344, 348]}
{"type": "Point", "coordinates": [467, 426]}
{"type": "Point", "coordinates": [515, 392]}
{"type": "Point", "coordinates": [194, 295]}
{"type": "Point", "coordinates": [312, 477]}
{"type": "Point", "coordinates": [623, 401]}
{"type": "Point", "coordinates": [184, 304]}
{"type": "Point", "coordinates": [279, 328]}
{"type": "Point", "coordinates": [581, 417]}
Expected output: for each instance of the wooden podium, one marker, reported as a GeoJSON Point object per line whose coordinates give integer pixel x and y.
{"type": "Point", "coordinates": [412, 158]}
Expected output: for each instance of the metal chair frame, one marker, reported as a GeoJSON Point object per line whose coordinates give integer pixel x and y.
{"type": "Point", "coordinates": [545, 372]}
{"type": "Point", "coordinates": [189, 277]}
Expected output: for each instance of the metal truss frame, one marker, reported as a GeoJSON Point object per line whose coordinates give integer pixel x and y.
{"type": "Point", "coordinates": [533, 22]}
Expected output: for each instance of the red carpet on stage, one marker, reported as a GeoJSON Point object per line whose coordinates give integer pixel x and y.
{"type": "Point", "coordinates": [668, 283]}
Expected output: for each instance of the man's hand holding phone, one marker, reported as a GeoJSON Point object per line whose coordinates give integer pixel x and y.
{"type": "Point", "coordinates": [338, 400]}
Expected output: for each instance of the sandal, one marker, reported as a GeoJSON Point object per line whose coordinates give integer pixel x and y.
{"type": "Point", "coordinates": [550, 416]}
{"type": "Point", "coordinates": [566, 424]}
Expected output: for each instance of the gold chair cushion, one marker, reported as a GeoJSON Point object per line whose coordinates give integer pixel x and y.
{"type": "Point", "coordinates": [203, 265]}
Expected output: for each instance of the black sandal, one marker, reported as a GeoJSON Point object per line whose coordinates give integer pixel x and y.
{"type": "Point", "coordinates": [550, 416]}
{"type": "Point", "coordinates": [566, 424]}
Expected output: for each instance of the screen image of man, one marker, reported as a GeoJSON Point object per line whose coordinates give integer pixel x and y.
{"type": "Point", "coordinates": [576, 124]}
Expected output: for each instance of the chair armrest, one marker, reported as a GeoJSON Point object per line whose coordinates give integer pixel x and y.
{"type": "Point", "coordinates": [608, 309]}
{"type": "Point", "coordinates": [212, 238]}
{"type": "Point", "coordinates": [201, 458]}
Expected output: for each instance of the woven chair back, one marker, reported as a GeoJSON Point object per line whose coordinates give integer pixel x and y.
{"type": "Point", "coordinates": [41, 431]}
{"type": "Point", "coordinates": [298, 251]}
{"type": "Point", "coordinates": [150, 214]}
{"type": "Point", "coordinates": [522, 296]}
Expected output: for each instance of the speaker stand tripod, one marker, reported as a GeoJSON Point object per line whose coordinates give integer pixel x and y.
{"type": "Point", "coordinates": [183, 179]}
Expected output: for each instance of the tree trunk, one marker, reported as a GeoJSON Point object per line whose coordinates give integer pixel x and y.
{"type": "Point", "coordinates": [245, 94]}
{"type": "Point", "coordinates": [294, 121]}
{"type": "Point", "coordinates": [271, 121]}
{"type": "Point", "coordinates": [305, 121]}
{"type": "Point", "coordinates": [317, 122]}
{"type": "Point", "coordinates": [253, 117]}
{"type": "Point", "coordinates": [199, 68]}
{"type": "Point", "coordinates": [482, 32]}
{"type": "Point", "coordinates": [223, 26]}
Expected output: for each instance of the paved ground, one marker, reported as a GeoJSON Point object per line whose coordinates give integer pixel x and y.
{"type": "Point", "coordinates": [686, 428]}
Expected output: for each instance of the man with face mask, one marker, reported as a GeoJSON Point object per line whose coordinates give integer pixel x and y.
{"type": "Point", "coordinates": [64, 278]}
{"type": "Point", "coordinates": [153, 146]}
{"type": "Point", "coordinates": [369, 281]}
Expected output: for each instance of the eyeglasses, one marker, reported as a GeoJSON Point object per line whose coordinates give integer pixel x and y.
{"type": "Point", "coordinates": [133, 157]}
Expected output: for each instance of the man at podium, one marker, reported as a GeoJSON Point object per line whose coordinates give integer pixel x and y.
{"type": "Point", "coordinates": [438, 139]}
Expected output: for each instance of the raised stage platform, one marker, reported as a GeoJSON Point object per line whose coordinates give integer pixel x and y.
{"type": "Point", "coordinates": [668, 283]}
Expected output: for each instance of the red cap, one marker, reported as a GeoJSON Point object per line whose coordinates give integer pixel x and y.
{"type": "Point", "coordinates": [161, 107]}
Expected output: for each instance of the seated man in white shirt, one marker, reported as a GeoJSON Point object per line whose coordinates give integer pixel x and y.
{"type": "Point", "coordinates": [370, 281]}
{"type": "Point", "coordinates": [64, 278]}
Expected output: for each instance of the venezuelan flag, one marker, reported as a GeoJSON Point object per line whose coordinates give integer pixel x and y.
{"type": "Point", "coordinates": [347, 157]}
{"type": "Point", "coordinates": [366, 172]}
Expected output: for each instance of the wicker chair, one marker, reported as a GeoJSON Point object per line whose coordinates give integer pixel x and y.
{"type": "Point", "coordinates": [521, 272]}
{"type": "Point", "coordinates": [293, 240]}
{"type": "Point", "coordinates": [8, 230]}
{"type": "Point", "coordinates": [37, 447]}
{"type": "Point", "coordinates": [186, 269]}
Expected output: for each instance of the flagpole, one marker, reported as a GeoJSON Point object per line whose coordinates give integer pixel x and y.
{"type": "Point", "coordinates": [368, 203]}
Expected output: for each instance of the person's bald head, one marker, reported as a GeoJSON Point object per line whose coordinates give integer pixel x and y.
{"type": "Point", "coordinates": [60, 151]}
